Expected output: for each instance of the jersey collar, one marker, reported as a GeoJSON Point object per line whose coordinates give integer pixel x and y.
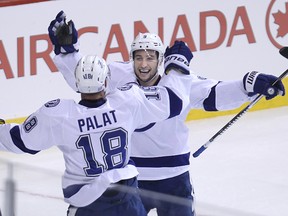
{"type": "Point", "coordinates": [92, 103]}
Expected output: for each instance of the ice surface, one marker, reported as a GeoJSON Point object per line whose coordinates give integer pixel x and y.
{"type": "Point", "coordinates": [243, 172]}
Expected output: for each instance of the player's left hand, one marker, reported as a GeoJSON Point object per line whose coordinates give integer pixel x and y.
{"type": "Point", "coordinates": [259, 83]}
{"type": "Point", "coordinates": [63, 36]}
{"type": "Point", "coordinates": [2, 121]}
{"type": "Point", "coordinates": [178, 57]}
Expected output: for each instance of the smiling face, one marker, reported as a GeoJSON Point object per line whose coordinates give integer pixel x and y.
{"type": "Point", "coordinates": [146, 66]}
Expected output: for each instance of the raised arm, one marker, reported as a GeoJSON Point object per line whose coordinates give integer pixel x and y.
{"type": "Point", "coordinates": [64, 38]}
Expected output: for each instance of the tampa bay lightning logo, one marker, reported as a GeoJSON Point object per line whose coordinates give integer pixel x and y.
{"type": "Point", "coordinates": [52, 103]}
{"type": "Point", "coordinates": [127, 86]}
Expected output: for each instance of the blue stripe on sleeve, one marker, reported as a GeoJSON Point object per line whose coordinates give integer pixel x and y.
{"type": "Point", "coordinates": [210, 102]}
{"type": "Point", "coordinates": [176, 103]}
{"type": "Point", "coordinates": [17, 140]}
{"type": "Point", "coordinates": [145, 128]}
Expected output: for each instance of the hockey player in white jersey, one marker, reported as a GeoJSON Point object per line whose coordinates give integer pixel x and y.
{"type": "Point", "coordinates": [161, 150]}
{"type": "Point", "coordinates": [95, 137]}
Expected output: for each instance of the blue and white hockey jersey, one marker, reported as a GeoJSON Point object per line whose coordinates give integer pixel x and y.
{"type": "Point", "coordinates": [95, 140]}
{"type": "Point", "coordinates": [161, 150]}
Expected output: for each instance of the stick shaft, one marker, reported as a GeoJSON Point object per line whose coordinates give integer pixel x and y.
{"type": "Point", "coordinates": [235, 118]}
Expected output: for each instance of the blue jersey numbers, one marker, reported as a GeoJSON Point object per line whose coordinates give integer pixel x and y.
{"type": "Point", "coordinates": [151, 92]}
{"type": "Point", "coordinates": [114, 148]}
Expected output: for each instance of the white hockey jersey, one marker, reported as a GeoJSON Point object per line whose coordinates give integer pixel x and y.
{"type": "Point", "coordinates": [95, 138]}
{"type": "Point", "coordinates": [161, 150]}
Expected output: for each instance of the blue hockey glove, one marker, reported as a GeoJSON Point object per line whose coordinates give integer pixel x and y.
{"type": "Point", "coordinates": [63, 36]}
{"type": "Point", "coordinates": [258, 83]}
{"type": "Point", "coordinates": [2, 121]}
{"type": "Point", "coordinates": [178, 57]}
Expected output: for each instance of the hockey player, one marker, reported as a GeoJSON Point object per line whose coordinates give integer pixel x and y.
{"type": "Point", "coordinates": [161, 150]}
{"type": "Point", "coordinates": [95, 137]}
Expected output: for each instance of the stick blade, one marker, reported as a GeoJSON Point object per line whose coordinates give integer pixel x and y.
{"type": "Point", "coordinates": [284, 52]}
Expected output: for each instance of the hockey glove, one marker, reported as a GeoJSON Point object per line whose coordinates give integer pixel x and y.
{"type": "Point", "coordinates": [63, 36]}
{"type": "Point", "coordinates": [258, 83]}
{"type": "Point", "coordinates": [178, 57]}
{"type": "Point", "coordinates": [2, 121]}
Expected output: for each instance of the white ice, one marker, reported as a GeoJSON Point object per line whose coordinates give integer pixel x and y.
{"type": "Point", "coordinates": [243, 172]}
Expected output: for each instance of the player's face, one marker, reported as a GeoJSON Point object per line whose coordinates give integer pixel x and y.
{"type": "Point", "coordinates": [146, 66]}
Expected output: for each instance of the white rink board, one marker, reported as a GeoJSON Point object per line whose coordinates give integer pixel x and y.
{"type": "Point", "coordinates": [244, 26]}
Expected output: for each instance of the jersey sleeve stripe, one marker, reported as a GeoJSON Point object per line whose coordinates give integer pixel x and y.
{"type": "Point", "coordinates": [145, 128]}
{"type": "Point", "coordinates": [210, 102]}
{"type": "Point", "coordinates": [176, 103]}
{"type": "Point", "coordinates": [17, 140]}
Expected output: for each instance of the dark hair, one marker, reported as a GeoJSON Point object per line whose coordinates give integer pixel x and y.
{"type": "Point", "coordinates": [157, 53]}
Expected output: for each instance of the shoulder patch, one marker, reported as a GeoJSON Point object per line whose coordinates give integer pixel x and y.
{"type": "Point", "coordinates": [52, 103]}
{"type": "Point", "coordinates": [127, 86]}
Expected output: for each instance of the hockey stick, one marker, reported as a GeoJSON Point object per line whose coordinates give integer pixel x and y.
{"type": "Point", "coordinates": [284, 52]}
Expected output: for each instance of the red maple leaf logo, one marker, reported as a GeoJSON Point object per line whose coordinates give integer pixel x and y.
{"type": "Point", "coordinates": [281, 19]}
